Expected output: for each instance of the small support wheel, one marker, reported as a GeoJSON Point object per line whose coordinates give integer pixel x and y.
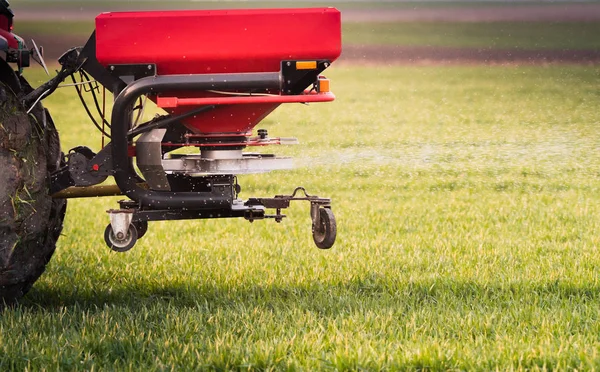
{"type": "Point", "coordinates": [125, 243]}
{"type": "Point", "coordinates": [141, 227]}
{"type": "Point", "coordinates": [325, 233]}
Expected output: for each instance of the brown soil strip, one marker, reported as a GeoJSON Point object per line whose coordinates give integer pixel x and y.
{"type": "Point", "coordinates": [382, 55]}
{"type": "Point", "coordinates": [518, 13]}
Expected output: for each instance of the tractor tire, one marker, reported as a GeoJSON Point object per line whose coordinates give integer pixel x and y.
{"type": "Point", "coordinates": [30, 220]}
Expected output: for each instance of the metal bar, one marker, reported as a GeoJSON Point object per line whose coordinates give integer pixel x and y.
{"type": "Point", "coordinates": [91, 191]}
{"type": "Point", "coordinates": [187, 214]}
{"type": "Point", "coordinates": [172, 102]}
{"type": "Point", "coordinates": [250, 142]}
{"type": "Point", "coordinates": [88, 192]}
{"type": "Point", "coordinates": [76, 84]}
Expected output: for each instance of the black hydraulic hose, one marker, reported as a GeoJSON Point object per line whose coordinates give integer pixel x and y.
{"type": "Point", "coordinates": [126, 178]}
{"type": "Point", "coordinates": [85, 106]}
{"type": "Point", "coordinates": [93, 91]}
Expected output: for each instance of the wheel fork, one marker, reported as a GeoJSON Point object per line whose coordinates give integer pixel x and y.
{"type": "Point", "coordinates": [326, 228]}
{"type": "Point", "coordinates": [120, 219]}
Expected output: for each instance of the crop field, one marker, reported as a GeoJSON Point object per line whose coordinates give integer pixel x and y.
{"type": "Point", "coordinates": [467, 198]}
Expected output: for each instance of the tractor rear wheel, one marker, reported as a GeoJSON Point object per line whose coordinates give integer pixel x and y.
{"type": "Point", "coordinates": [30, 220]}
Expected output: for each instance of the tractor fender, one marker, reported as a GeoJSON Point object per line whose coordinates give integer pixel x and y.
{"type": "Point", "coordinates": [11, 39]}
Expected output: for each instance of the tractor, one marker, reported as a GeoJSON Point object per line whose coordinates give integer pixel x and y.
{"type": "Point", "coordinates": [215, 74]}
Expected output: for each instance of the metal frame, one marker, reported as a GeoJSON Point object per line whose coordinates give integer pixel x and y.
{"type": "Point", "coordinates": [125, 176]}
{"type": "Point", "coordinates": [182, 197]}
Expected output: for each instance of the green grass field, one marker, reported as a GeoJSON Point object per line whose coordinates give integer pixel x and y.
{"type": "Point", "coordinates": [468, 210]}
{"type": "Point", "coordinates": [53, 28]}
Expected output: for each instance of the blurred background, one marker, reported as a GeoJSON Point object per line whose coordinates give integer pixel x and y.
{"type": "Point", "coordinates": [462, 157]}
{"type": "Point", "coordinates": [390, 32]}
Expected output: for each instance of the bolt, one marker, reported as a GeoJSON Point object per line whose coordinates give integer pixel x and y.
{"type": "Point", "coordinates": [149, 67]}
{"type": "Point", "coordinates": [112, 68]}
{"type": "Point", "coordinates": [289, 63]}
{"type": "Point", "coordinates": [326, 64]}
{"type": "Point", "coordinates": [120, 235]}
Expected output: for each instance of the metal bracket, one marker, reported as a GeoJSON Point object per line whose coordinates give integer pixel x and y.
{"type": "Point", "coordinates": [280, 202]}
{"type": "Point", "coordinates": [82, 167]}
{"type": "Point", "coordinates": [295, 79]}
{"type": "Point", "coordinates": [120, 219]}
{"type": "Point", "coordinates": [87, 168]}
{"type": "Point", "coordinates": [149, 159]}
{"type": "Point", "coordinates": [130, 72]}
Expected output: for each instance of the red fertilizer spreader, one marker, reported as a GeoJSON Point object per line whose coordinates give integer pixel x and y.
{"type": "Point", "coordinates": [217, 74]}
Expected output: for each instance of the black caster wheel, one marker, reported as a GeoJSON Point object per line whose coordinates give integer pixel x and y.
{"type": "Point", "coordinates": [123, 244]}
{"type": "Point", "coordinates": [324, 234]}
{"type": "Point", "coordinates": [141, 227]}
